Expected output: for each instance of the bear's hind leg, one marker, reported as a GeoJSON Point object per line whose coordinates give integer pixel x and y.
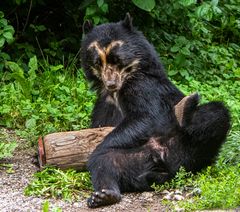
{"type": "Point", "coordinates": [210, 122]}
{"type": "Point", "coordinates": [104, 179]}
{"type": "Point", "coordinates": [204, 135]}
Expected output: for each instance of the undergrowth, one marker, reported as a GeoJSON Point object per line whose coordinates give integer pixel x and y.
{"type": "Point", "coordinates": [39, 100]}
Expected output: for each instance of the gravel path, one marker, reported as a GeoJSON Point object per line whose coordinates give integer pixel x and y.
{"type": "Point", "coordinates": [12, 189]}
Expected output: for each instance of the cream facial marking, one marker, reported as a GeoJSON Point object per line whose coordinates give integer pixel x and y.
{"type": "Point", "coordinates": [114, 100]}
{"type": "Point", "coordinates": [100, 51]}
{"type": "Point", "coordinates": [111, 76]}
{"type": "Point", "coordinates": [132, 65]}
{"type": "Point", "coordinates": [95, 72]}
{"type": "Point", "coordinates": [103, 52]}
{"type": "Point", "coordinates": [112, 45]}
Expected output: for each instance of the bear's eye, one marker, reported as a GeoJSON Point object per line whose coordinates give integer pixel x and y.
{"type": "Point", "coordinates": [129, 69]}
{"type": "Point", "coordinates": [113, 59]}
{"type": "Point", "coordinates": [98, 62]}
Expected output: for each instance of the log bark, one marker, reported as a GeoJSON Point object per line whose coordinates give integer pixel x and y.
{"type": "Point", "coordinates": [70, 149]}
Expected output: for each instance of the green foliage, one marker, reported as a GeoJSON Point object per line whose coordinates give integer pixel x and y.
{"type": "Point", "coordinates": [198, 38]}
{"type": "Point", "coordinates": [6, 31]}
{"type": "Point", "coordinates": [145, 5]}
{"type": "Point", "coordinates": [6, 36]}
{"type": "Point", "coordinates": [46, 208]}
{"type": "Point", "coordinates": [43, 102]}
{"type": "Point", "coordinates": [97, 11]}
{"type": "Point", "coordinates": [181, 180]}
{"type": "Point", "coordinates": [6, 149]}
{"type": "Point", "coordinates": [7, 146]}
{"type": "Point", "coordinates": [216, 187]}
{"type": "Point", "coordinates": [52, 182]}
{"type": "Point", "coordinates": [220, 188]}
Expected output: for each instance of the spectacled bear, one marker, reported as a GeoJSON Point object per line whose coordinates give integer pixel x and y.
{"type": "Point", "coordinates": [157, 128]}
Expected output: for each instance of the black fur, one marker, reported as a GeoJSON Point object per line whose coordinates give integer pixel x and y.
{"type": "Point", "coordinates": [148, 144]}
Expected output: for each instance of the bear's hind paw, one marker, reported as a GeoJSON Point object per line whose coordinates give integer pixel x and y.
{"type": "Point", "coordinates": [103, 197]}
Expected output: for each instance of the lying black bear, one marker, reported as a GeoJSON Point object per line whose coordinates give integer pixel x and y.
{"type": "Point", "coordinates": [150, 142]}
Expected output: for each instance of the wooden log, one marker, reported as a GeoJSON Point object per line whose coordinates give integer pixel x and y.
{"type": "Point", "coordinates": [70, 149]}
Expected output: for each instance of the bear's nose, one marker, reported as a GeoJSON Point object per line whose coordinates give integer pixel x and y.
{"type": "Point", "coordinates": [111, 85]}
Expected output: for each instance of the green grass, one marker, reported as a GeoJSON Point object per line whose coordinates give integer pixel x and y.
{"type": "Point", "coordinates": [52, 182]}
{"type": "Point", "coordinates": [46, 208]}
{"type": "Point", "coordinates": [6, 149]}
{"type": "Point", "coordinates": [7, 146]}
{"type": "Point", "coordinates": [218, 188]}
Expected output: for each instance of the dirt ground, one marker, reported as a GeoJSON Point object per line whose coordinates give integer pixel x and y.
{"type": "Point", "coordinates": [12, 186]}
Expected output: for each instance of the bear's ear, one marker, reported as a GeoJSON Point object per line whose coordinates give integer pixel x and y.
{"type": "Point", "coordinates": [127, 22]}
{"type": "Point", "coordinates": [87, 26]}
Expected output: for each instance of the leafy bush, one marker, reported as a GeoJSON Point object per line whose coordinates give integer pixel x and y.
{"type": "Point", "coordinates": [44, 101]}
{"type": "Point", "coordinates": [6, 36]}
{"type": "Point", "coordinates": [197, 38]}
{"type": "Point", "coordinates": [7, 31]}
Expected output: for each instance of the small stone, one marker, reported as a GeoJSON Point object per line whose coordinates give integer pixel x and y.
{"type": "Point", "coordinates": [77, 204]}
{"type": "Point", "coordinates": [178, 209]}
{"type": "Point", "coordinates": [188, 188]}
{"type": "Point", "coordinates": [178, 197]}
{"type": "Point", "coordinates": [147, 195]}
{"type": "Point", "coordinates": [178, 192]}
{"type": "Point", "coordinates": [196, 191]}
{"type": "Point", "coordinates": [165, 192]}
{"type": "Point", "coordinates": [167, 197]}
{"type": "Point", "coordinates": [189, 195]}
